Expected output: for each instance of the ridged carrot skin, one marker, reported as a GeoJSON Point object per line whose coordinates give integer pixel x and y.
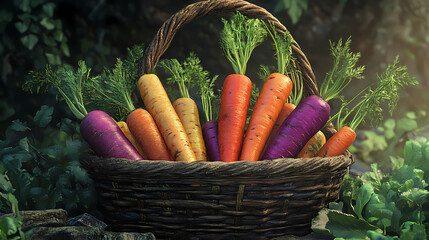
{"type": "Point", "coordinates": [187, 110]}
{"type": "Point", "coordinates": [274, 93]}
{"type": "Point", "coordinates": [105, 137]}
{"type": "Point", "coordinates": [159, 106]}
{"type": "Point", "coordinates": [124, 128]}
{"type": "Point", "coordinates": [210, 134]}
{"type": "Point", "coordinates": [284, 113]}
{"type": "Point", "coordinates": [146, 133]}
{"type": "Point", "coordinates": [338, 143]}
{"type": "Point", "coordinates": [234, 103]}
{"type": "Point", "coordinates": [313, 146]}
{"type": "Point", "coordinates": [309, 116]}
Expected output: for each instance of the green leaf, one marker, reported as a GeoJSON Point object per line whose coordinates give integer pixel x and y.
{"type": "Point", "coordinates": [5, 184]}
{"type": "Point", "coordinates": [44, 116]}
{"type": "Point", "coordinates": [27, 16]}
{"type": "Point", "coordinates": [412, 153]}
{"type": "Point", "coordinates": [65, 48]}
{"type": "Point", "coordinates": [349, 191]}
{"type": "Point", "coordinates": [18, 126]}
{"type": "Point", "coordinates": [2, 117]}
{"type": "Point", "coordinates": [412, 230]}
{"type": "Point", "coordinates": [48, 8]}
{"type": "Point", "coordinates": [80, 175]}
{"type": "Point", "coordinates": [341, 225]}
{"type": "Point", "coordinates": [24, 5]}
{"type": "Point", "coordinates": [22, 26]}
{"type": "Point", "coordinates": [53, 59]}
{"type": "Point", "coordinates": [53, 151]}
{"type": "Point", "coordinates": [23, 143]}
{"type": "Point", "coordinates": [49, 41]}
{"type": "Point", "coordinates": [67, 125]}
{"type": "Point", "coordinates": [9, 225]}
{"type": "Point", "coordinates": [379, 236]}
{"type": "Point", "coordinates": [48, 23]}
{"type": "Point", "coordinates": [29, 41]}
{"type": "Point", "coordinates": [411, 115]}
{"type": "Point", "coordinates": [364, 195]}
{"type": "Point", "coordinates": [382, 212]}
{"type": "Point", "coordinates": [390, 125]}
{"type": "Point", "coordinates": [415, 197]}
{"type": "Point", "coordinates": [34, 28]}
{"type": "Point", "coordinates": [396, 163]}
{"type": "Point", "coordinates": [15, 160]}
{"type": "Point", "coordinates": [58, 35]}
{"type": "Point", "coordinates": [74, 148]}
{"type": "Point", "coordinates": [406, 124]}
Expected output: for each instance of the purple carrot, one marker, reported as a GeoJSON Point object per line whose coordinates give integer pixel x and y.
{"type": "Point", "coordinates": [210, 136]}
{"type": "Point", "coordinates": [105, 137]}
{"type": "Point", "coordinates": [307, 119]}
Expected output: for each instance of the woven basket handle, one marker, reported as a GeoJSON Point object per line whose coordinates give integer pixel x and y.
{"type": "Point", "coordinates": [165, 34]}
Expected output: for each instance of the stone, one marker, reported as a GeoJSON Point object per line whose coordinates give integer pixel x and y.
{"type": "Point", "coordinates": [84, 233]}
{"type": "Point", "coordinates": [88, 220]}
{"type": "Point", "coordinates": [42, 218]}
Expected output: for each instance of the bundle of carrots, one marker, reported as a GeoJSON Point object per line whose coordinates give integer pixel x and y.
{"type": "Point", "coordinates": [281, 125]}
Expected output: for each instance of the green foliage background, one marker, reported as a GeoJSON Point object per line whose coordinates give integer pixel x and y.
{"type": "Point", "coordinates": [40, 143]}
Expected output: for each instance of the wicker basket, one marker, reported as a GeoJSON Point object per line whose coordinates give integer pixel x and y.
{"type": "Point", "coordinates": [217, 200]}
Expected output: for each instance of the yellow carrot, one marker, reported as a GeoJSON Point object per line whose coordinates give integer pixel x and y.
{"type": "Point", "coordinates": [124, 128]}
{"type": "Point", "coordinates": [159, 106]}
{"type": "Point", "coordinates": [187, 110]}
{"type": "Point", "coordinates": [313, 146]}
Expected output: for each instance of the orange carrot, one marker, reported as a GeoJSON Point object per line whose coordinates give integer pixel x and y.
{"type": "Point", "coordinates": [124, 128]}
{"type": "Point", "coordinates": [274, 93]}
{"type": "Point", "coordinates": [146, 133]}
{"type": "Point", "coordinates": [313, 146]}
{"type": "Point", "coordinates": [239, 37]}
{"type": "Point", "coordinates": [234, 103]}
{"type": "Point", "coordinates": [187, 110]}
{"type": "Point", "coordinates": [284, 113]}
{"type": "Point", "coordinates": [159, 106]}
{"type": "Point", "coordinates": [338, 143]}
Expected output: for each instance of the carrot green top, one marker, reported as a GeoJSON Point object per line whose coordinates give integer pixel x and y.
{"type": "Point", "coordinates": [112, 90]}
{"type": "Point", "coordinates": [69, 83]}
{"type": "Point", "coordinates": [109, 92]}
{"type": "Point", "coordinates": [342, 71]}
{"type": "Point", "coordinates": [187, 74]}
{"type": "Point", "coordinates": [238, 39]}
{"type": "Point", "coordinates": [388, 85]}
{"type": "Point", "coordinates": [282, 44]}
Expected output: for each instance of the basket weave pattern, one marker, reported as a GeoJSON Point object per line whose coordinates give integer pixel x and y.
{"type": "Point", "coordinates": [217, 200]}
{"type": "Point", "coordinates": [250, 200]}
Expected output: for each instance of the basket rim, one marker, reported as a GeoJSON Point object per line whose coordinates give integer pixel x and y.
{"type": "Point", "coordinates": [111, 167]}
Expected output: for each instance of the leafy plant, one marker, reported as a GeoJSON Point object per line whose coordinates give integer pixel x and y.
{"type": "Point", "coordinates": [36, 30]}
{"type": "Point", "coordinates": [10, 227]}
{"type": "Point", "coordinates": [41, 160]}
{"type": "Point", "coordinates": [388, 139]}
{"type": "Point", "coordinates": [391, 205]}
